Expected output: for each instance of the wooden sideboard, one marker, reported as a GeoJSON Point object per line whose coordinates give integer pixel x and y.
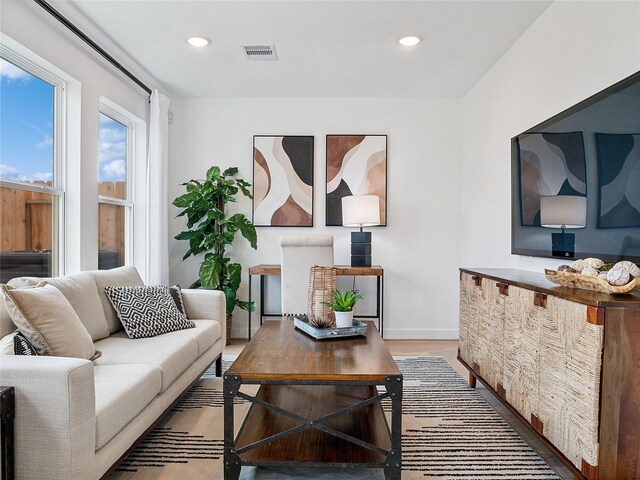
{"type": "Point", "coordinates": [565, 361]}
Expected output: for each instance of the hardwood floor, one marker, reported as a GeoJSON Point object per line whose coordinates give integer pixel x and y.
{"type": "Point", "coordinates": [449, 349]}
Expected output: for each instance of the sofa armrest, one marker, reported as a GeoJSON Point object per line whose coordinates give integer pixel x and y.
{"type": "Point", "coordinates": [55, 419]}
{"type": "Point", "coordinates": [206, 304]}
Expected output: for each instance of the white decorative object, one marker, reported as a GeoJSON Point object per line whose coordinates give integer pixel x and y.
{"type": "Point", "coordinates": [618, 276]}
{"type": "Point", "coordinates": [344, 319]}
{"type": "Point", "coordinates": [628, 266]}
{"type": "Point", "coordinates": [590, 271]}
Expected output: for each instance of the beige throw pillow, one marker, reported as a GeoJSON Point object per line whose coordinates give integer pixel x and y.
{"type": "Point", "coordinates": [47, 320]}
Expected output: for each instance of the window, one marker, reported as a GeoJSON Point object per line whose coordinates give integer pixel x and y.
{"type": "Point", "coordinates": [115, 195]}
{"type": "Point", "coordinates": [31, 168]}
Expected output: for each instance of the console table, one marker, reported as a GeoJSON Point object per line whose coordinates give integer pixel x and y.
{"type": "Point", "coordinates": [341, 270]}
{"type": "Point", "coordinates": [565, 361]}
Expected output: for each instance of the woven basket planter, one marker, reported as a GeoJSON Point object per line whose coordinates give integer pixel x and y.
{"type": "Point", "coordinates": [322, 281]}
{"type": "Point", "coordinates": [229, 325]}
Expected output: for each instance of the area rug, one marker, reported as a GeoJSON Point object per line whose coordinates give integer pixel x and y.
{"type": "Point", "coordinates": [449, 432]}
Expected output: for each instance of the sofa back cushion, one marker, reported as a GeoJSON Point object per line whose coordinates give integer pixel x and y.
{"type": "Point", "coordinates": [121, 277]}
{"type": "Point", "coordinates": [48, 321]}
{"type": "Point", "coordinates": [6, 324]}
{"type": "Point", "coordinates": [81, 292]}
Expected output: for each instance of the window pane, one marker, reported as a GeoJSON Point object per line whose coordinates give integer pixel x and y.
{"type": "Point", "coordinates": [112, 158]}
{"type": "Point", "coordinates": [28, 220]}
{"type": "Point", "coordinates": [26, 126]}
{"type": "Point", "coordinates": [112, 227]}
{"type": "Point", "coordinates": [27, 233]}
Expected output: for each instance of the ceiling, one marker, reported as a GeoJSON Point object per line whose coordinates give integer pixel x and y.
{"type": "Point", "coordinates": [325, 48]}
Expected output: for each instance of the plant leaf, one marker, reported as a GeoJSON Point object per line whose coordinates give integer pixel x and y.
{"type": "Point", "coordinates": [230, 172]}
{"type": "Point", "coordinates": [213, 173]}
{"type": "Point", "coordinates": [210, 273]}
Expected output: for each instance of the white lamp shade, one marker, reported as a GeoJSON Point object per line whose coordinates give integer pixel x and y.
{"type": "Point", "coordinates": [360, 211]}
{"type": "Point", "coordinates": [563, 211]}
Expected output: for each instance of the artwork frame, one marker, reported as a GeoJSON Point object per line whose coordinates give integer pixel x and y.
{"type": "Point", "coordinates": [367, 159]}
{"type": "Point", "coordinates": [283, 180]}
{"type": "Point", "coordinates": [540, 151]}
{"type": "Point", "coordinates": [618, 160]}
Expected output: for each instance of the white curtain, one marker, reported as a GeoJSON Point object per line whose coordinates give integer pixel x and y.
{"type": "Point", "coordinates": [157, 202]}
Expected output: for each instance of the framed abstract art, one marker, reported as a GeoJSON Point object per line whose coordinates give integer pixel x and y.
{"type": "Point", "coordinates": [618, 180]}
{"type": "Point", "coordinates": [282, 181]}
{"type": "Point", "coordinates": [356, 165]}
{"type": "Point", "coordinates": [549, 164]}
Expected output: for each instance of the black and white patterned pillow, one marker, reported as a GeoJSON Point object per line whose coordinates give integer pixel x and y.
{"type": "Point", "coordinates": [21, 345]}
{"type": "Point", "coordinates": [147, 311]}
{"type": "Point", "coordinates": [176, 294]}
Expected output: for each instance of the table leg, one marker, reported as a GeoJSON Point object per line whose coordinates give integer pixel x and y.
{"type": "Point", "coordinates": [232, 467]}
{"type": "Point", "coordinates": [249, 336]}
{"type": "Point", "coordinates": [393, 462]}
{"type": "Point", "coordinates": [261, 297]}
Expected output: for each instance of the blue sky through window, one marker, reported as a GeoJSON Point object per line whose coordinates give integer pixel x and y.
{"type": "Point", "coordinates": [113, 150]}
{"type": "Point", "coordinates": [26, 125]}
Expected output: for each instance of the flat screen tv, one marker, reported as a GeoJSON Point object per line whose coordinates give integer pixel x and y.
{"type": "Point", "coordinates": [580, 167]}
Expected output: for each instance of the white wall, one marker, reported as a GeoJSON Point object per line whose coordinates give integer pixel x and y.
{"type": "Point", "coordinates": [572, 51]}
{"type": "Point", "coordinates": [419, 249]}
{"type": "Point", "coordinates": [33, 28]}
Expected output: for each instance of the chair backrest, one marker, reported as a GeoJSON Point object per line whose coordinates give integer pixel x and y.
{"type": "Point", "coordinates": [299, 254]}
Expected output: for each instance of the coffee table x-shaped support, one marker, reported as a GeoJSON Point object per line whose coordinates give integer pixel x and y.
{"type": "Point", "coordinates": [392, 456]}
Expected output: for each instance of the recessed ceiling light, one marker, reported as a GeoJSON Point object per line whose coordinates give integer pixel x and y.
{"type": "Point", "coordinates": [410, 40]}
{"type": "Point", "coordinates": [198, 41]}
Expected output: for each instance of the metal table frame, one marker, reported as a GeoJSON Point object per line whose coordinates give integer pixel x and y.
{"type": "Point", "coordinates": [392, 463]}
{"type": "Point", "coordinates": [341, 270]}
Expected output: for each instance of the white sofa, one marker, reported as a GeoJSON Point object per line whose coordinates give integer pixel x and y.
{"type": "Point", "coordinates": [77, 419]}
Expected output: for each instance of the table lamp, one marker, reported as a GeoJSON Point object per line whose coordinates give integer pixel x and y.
{"type": "Point", "coordinates": [360, 211]}
{"type": "Point", "coordinates": [563, 211]}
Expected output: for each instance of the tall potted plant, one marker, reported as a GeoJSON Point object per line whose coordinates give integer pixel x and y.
{"type": "Point", "coordinates": [210, 231]}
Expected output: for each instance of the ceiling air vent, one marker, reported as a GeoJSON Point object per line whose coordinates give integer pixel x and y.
{"type": "Point", "coordinates": [260, 52]}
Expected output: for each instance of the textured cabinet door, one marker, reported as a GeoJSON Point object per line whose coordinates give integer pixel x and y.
{"type": "Point", "coordinates": [468, 318]}
{"type": "Point", "coordinates": [570, 366]}
{"type": "Point", "coordinates": [522, 319]}
{"type": "Point", "coordinates": [489, 353]}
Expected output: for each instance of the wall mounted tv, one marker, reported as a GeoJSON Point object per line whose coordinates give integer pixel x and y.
{"type": "Point", "coordinates": [591, 150]}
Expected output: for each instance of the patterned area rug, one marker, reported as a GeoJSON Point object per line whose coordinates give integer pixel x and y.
{"type": "Point", "coordinates": [449, 432]}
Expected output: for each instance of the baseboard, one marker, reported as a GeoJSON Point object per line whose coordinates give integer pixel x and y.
{"type": "Point", "coordinates": [421, 334]}
{"type": "Point", "coordinates": [390, 333]}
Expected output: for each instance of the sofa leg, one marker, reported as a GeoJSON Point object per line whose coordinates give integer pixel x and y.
{"type": "Point", "coordinates": [219, 366]}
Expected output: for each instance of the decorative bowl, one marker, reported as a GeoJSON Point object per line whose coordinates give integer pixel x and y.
{"type": "Point", "coordinates": [585, 282]}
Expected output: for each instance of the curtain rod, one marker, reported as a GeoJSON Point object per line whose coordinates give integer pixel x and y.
{"type": "Point", "coordinates": [63, 20]}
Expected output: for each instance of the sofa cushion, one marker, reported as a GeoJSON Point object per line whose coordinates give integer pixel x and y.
{"type": "Point", "coordinates": [122, 391]}
{"type": "Point", "coordinates": [123, 276]}
{"type": "Point", "coordinates": [172, 353]}
{"type": "Point", "coordinates": [206, 333]}
{"type": "Point", "coordinates": [147, 311]}
{"type": "Point", "coordinates": [47, 320]}
{"type": "Point", "coordinates": [81, 291]}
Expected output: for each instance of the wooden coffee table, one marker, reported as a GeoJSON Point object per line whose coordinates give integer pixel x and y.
{"type": "Point", "coordinates": [317, 404]}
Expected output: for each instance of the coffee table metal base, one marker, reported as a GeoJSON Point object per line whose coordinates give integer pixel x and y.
{"type": "Point", "coordinates": [314, 424]}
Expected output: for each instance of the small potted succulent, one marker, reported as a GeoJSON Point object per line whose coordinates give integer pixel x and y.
{"type": "Point", "coordinates": [342, 304]}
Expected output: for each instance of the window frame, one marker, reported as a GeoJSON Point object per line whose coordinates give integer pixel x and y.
{"type": "Point", "coordinates": [22, 58]}
{"type": "Point", "coordinates": [122, 116]}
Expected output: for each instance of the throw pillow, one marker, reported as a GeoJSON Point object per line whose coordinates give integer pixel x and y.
{"type": "Point", "coordinates": [147, 311]}
{"type": "Point", "coordinates": [47, 320]}
{"type": "Point", "coordinates": [6, 343]}
{"type": "Point", "coordinates": [176, 294]}
{"type": "Point", "coordinates": [21, 345]}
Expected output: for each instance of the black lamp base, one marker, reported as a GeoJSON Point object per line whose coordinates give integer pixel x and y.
{"type": "Point", "coordinates": [360, 249]}
{"type": "Point", "coordinates": [563, 245]}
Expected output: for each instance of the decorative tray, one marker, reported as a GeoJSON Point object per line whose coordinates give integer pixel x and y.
{"type": "Point", "coordinates": [585, 282]}
{"type": "Point", "coordinates": [302, 323]}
